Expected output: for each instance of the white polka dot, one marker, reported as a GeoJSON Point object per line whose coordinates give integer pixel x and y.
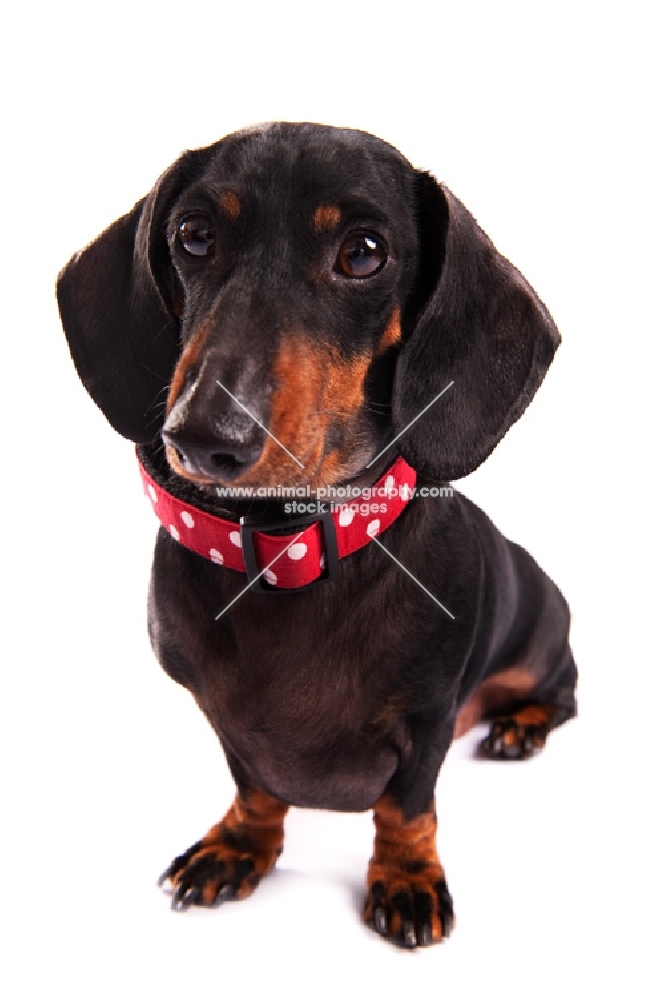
{"type": "Point", "coordinates": [174, 531]}
{"type": "Point", "coordinates": [389, 485]}
{"type": "Point", "coordinates": [216, 557]}
{"type": "Point", "coordinates": [270, 576]}
{"type": "Point", "coordinates": [234, 538]}
{"type": "Point", "coordinates": [187, 519]}
{"type": "Point", "coordinates": [404, 491]}
{"type": "Point", "coordinates": [152, 493]}
{"type": "Point", "coordinates": [345, 517]}
{"type": "Point", "coordinates": [373, 527]}
{"type": "Point", "coordinates": [297, 551]}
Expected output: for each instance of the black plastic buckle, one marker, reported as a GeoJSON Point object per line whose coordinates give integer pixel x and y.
{"type": "Point", "coordinates": [253, 523]}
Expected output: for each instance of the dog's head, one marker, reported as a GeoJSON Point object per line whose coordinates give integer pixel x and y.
{"type": "Point", "coordinates": [285, 302]}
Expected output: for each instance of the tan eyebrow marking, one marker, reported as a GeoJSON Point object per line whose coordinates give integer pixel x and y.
{"type": "Point", "coordinates": [230, 203]}
{"type": "Point", "coordinates": [326, 217]}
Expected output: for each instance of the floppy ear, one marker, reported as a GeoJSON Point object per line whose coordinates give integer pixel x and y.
{"type": "Point", "coordinates": [116, 302]}
{"type": "Point", "coordinates": [481, 326]}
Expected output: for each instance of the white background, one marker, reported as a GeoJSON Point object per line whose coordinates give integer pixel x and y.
{"type": "Point", "coordinates": [546, 120]}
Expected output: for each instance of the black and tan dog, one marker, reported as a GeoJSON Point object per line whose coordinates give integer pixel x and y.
{"type": "Point", "coordinates": [283, 307]}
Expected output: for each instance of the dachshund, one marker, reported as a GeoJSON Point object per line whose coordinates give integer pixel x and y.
{"type": "Point", "coordinates": [307, 339]}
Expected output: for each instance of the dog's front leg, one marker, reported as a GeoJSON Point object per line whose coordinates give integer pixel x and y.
{"type": "Point", "coordinates": [407, 894]}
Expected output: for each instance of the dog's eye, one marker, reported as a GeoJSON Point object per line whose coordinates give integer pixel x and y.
{"type": "Point", "coordinates": [197, 236]}
{"type": "Point", "coordinates": [360, 255]}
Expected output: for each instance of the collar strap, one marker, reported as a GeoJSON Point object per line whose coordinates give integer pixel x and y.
{"type": "Point", "coordinates": [304, 560]}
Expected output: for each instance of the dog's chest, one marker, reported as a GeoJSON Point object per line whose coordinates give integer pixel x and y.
{"type": "Point", "coordinates": [310, 709]}
{"type": "Point", "coordinates": [308, 692]}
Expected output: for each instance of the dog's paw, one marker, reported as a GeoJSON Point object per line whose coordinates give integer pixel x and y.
{"type": "Point", "coordinates": [210, 873]}
{"type": "Point", "coordinates": [409, 904]}
{"type": "Point", "coordinates": [513, 739]}
{"type": "Point", "coordinates": [232, 858]}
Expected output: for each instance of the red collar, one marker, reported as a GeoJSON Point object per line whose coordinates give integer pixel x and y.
{"type": "Point", "coordinates": [305, 559]}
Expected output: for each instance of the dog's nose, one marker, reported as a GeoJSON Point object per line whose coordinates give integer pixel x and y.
{"type": "Point", "coordinates": [212, 456]}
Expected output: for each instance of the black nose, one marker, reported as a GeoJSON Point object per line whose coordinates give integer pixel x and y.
{"type": "Point", "coordinates": [214, 457]}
